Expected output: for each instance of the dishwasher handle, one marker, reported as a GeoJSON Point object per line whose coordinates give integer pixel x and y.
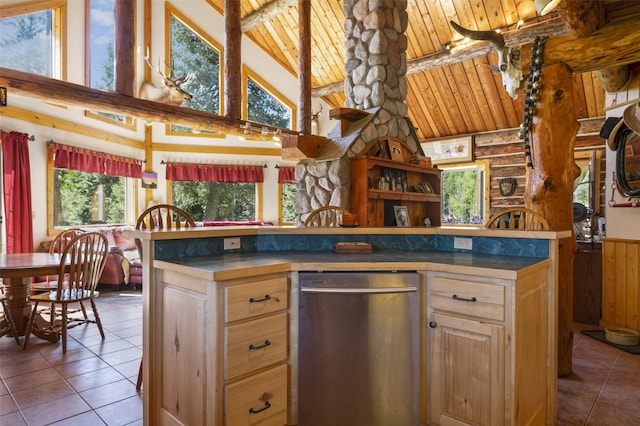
{"type": "Point", "coordinates": [350, 290]}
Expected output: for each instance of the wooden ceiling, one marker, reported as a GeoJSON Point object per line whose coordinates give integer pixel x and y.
{"type": "Point", "coordinates": [446, 96]}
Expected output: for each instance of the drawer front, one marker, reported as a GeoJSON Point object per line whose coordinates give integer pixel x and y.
{"type": "Point", "coordinates": [255, 344]}
{"type": "Point", "coordinates": [258, 298]}
{"type": "Point", "coordinates": [478, 299]}
{"type": "Point", "coordinates": [258, 400]}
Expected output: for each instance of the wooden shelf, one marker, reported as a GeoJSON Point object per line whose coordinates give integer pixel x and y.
{"type": "Point", "coordinates": [374, 205]}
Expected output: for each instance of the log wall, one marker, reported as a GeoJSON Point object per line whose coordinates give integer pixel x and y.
{"type": "Point", "coordinates": [505, 153]}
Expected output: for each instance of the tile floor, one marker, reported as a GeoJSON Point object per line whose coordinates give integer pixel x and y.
{"type": "Point", "coordinates": [95, 382]}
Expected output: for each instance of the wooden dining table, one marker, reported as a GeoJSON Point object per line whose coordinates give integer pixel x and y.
{"type": "Point", "coordinates": [17, 271]}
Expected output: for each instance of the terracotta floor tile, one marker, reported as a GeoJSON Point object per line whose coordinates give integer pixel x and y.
{"type": "Point", "coordinates": [108, 394]}
{"type": "Point", "coordinates": [13, 419]}
{"type": "Point", "coordinates": [82, 366]}
{"type": "Point", "coordinates": [95, 379]}
{"type": "Point", "coordinates": [26, 382]}
{"type": "Point", "coordinates": [122, 412]}
{"type": "Point", "coordinates": [7, 405]}
{"type": "Point", "coordinates": [63, 408]}
{"type": "Point", "coordinates": [84, 419]}
{"type": "Point", "coordinates": [126, 355]}
{"type": "Point", "coordinates": [110, 346]}
{"type": "Point", "coordinates": [39, 395]}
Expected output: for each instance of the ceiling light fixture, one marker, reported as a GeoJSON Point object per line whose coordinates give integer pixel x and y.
{"type": "Point", "coordinates": [545, 6]}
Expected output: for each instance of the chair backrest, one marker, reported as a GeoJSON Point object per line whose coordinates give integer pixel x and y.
{"type": "Point", "coordinates": [163, 216]}
{"type": "Point", "coordinates": [518, 218]}
{"type": "Point", "coordinates": [327, 216]}
{"type": "Point", "coordinates": [81, 264]}
{"type": "Point", "coordinates": [63, 238]}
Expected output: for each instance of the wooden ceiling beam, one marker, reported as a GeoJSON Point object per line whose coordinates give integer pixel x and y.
{"type": "Point", "coordinates": [265, 13]}
{"type": "Point", "coordinates": [51, 90]}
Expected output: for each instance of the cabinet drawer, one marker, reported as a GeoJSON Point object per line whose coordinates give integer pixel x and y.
{"type": "Point", "coordinates": [257, 298]}
{"type": "Point", "coordinates": [467, 297]}
{"type": "Point", "coordinates": [255, 344]}
{"type": "Point", "coordinates": [259, 399]}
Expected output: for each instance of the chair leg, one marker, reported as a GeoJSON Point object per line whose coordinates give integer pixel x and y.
{"type": "Point", "coordinates": [97, 317]}
{"type": "Point", "coordinates": [139, 382]}
{"type": "Point", "coordinates": [27, 332]}
{"type": "Point", "coordinates": [64, 328]}
{"type": "Point", "coordinates": [84, 311]}
{"type": "Point", "coordinates": [9, 319]}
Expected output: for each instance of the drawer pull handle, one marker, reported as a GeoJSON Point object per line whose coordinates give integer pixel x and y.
{"type": "Point", "coordinates": [464, 299]}
{"type": "Point", "coordinates": [266, 405]}
{"type": "Point", "coordinates": [253, 347]}
{"type": "Point", "coordinates": [264, 299]}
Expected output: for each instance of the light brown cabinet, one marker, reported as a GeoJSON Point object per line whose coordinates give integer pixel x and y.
{"type": "Point", "coordinates": [487, 350]}
{"type": "Point", "coordinates": [220, 350]}
{"type": "Point", "coordinates": [378, 184]}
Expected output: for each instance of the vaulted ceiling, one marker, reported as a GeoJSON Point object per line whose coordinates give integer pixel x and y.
{"type": "Point", "coordinates": [447, 95]}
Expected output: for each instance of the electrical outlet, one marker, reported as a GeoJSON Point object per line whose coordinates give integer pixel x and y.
{"type": "Point", "coordinates": [232, 243]}
{"type": "Point", "coordinates": [462, 243]}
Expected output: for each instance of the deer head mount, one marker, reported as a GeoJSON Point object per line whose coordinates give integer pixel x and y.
{"type": "Point", "coordinates": [170, 93]}
{"type": "Point", "coordinates": [508, 57]}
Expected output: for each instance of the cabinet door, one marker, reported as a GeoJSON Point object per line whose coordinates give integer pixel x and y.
{"type": "Point", "coordinates": [466, 372]}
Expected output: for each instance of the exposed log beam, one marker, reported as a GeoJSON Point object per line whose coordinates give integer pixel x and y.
{"type": "Point", "coordinates": [583, 17]}
{"type": "Point", "coordinates": [552, 27]}
{"type": "Point", "coordinates": [266, 12]}
{"type": "Point", "coordinates": [232, 60]}
{"type": "Point", "coordinates": [304, 66]}
{"type": "Point", "coordinates": [51, 90]}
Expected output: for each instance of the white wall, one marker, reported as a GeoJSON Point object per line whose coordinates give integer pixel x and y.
{"type": "Point", "coordinates": [207, 19]}
{"type": "Point", "coordinates": [622, 222]}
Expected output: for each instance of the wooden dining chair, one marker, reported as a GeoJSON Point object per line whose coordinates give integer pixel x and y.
{"type": "Point", "coordinates": [81, 265]}
{"type": "Point", "coordinates": [519, 218]}
{"type": "Point", "coordinates": [326, 216]}
{"type": "Point", "coordinates": [158, 217]}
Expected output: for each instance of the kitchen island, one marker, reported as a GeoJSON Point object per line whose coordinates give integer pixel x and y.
{"type": "Point", "coordinates": [221, 327]}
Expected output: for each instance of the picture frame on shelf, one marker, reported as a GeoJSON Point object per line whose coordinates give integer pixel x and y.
{"type": "Point", "coordinates": [402, 216]}
{"type": "Point", "coordinates": [395, 149]}
{"type": "Point", "coordinates": [446, 151]}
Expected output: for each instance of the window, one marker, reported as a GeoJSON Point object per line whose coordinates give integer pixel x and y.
{"type": "Point", "coordinates": [194, 55]}
{"type": "Point", "coordinates": [264, 104]}
{"type": "Point", "coordinates": [287, 194]}
{"type": "Point", "coordinates": [31, 41]}
{"type": "Point", "coordinates": [90, 188]}
{"type": "Point", "coordinates": [101, 54]}
{"type": "Point", "coordinates": [216, 192]}
{"type": "Point", "coordinates": [464, 194]}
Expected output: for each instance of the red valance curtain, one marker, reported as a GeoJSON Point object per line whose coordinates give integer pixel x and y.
{"type": "Point", "coordinates": [84, 160]}
{"type": "Point", "coordinates": [214, 172]}
{"type": "Point", "coordinates": [16, 179]}
{"type": "Point", "coordinates": [286, 175]}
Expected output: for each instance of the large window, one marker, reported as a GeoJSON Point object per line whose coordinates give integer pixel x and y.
{"type": "Point", "coordinates": [31, 41]}
{"type": "Point", "coordinates": [101, 54]}
{"type": "Point", "coordinates": [194, 55]}
{"type": "Point", "coordinates": [216, 192]}
{"type": "Point", "coordinates": [287, 195]}
{"type": "Point", "coordinates": [464, 194]}
{"type": "Point", "coordinates": [264, 104]}
{"type": "Point", "coordinates": [91, 188]}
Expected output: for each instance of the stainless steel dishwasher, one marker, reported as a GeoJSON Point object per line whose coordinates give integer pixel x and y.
{"type": "Point", "coordinates": [358, 349]}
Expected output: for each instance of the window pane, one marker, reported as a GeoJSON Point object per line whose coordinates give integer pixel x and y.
{"type": "Point", "coordinates": [102, 45]}
{"type": "Point", "coordinates": [215, 200]}
{"type": "Point", "coordinates": [88, 198]}
{"type": "Point", "coordinates": [192, 55]}
{"type": "Point", "coordinates": [26, 43]}
{"type": "Point", "coordinates": [462, 196]}
{"type": "Point", "coordinates": [288, 203]}
{"type": "Point", "coordinates": [262, 107]}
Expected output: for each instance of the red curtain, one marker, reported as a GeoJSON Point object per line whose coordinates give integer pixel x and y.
{"type": "Point", "coordinates": [286, 175]}
{"type": "Point", "coordinates": [16, 179]}
{"type": "Point", "coordinates": [84, 160]}
{"type": "Point", "coordinates": [214, 172]}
